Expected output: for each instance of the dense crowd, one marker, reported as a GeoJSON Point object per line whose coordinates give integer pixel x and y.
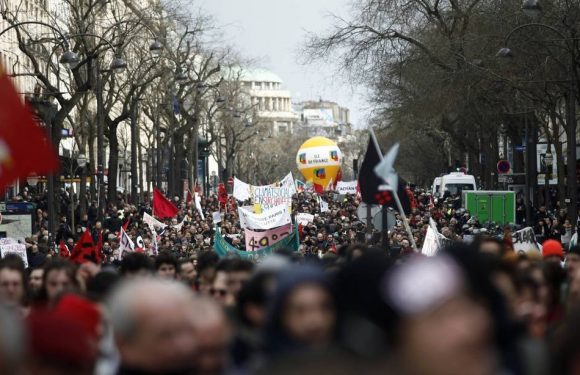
{"type": "Point", "coordinates": [350, 300]}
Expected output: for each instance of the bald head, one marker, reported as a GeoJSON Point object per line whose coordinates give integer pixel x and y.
{"type": "Point", "coordinates": [153, 324]}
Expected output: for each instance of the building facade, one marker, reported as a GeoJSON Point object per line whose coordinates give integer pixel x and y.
{"type": "Point", "coordinates": [271, 101]}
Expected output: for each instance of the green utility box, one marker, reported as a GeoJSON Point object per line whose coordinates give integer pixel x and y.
{"type": "Point", "coordinates": [491, 206]}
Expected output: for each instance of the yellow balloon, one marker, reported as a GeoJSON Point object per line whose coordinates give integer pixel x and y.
{"type": "Point", "coordinates": [319, 159]}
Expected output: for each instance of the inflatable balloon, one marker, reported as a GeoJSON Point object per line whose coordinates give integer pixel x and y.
{"type": "Point", "coordinates": [319, 161]}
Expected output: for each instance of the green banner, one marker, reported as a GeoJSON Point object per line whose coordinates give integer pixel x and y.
{"type": "Point", "coordinates": [223, 248]}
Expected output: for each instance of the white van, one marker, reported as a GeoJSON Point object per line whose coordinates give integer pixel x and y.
{"type": "Point", "coordinates": [436, 185]}
{"type": "Point", "coordinates": [456, 182]}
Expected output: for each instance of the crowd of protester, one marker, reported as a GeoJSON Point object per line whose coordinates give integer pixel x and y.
{"type": "Point", "coordinates": [350, 300]}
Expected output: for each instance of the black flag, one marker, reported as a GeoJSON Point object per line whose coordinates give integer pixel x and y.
{"type": "Point", "coordinates": [369, 183]}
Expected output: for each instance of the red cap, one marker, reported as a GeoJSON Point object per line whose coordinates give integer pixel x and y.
{"type": "Point", "coordinates": [80, 310]}
{"type": "Point", "coordinates": [55, 340]}
{"type": "Point", "coordinates": [552, 248]}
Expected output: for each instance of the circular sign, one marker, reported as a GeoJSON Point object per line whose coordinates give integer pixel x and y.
{"type": "Point", "coordinates": [503, 166]}
{"type": "Point", "coordinates": [230, 181]}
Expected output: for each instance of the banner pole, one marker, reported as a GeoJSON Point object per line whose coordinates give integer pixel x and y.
{"type": "Point", "coordinates": [396, 196]}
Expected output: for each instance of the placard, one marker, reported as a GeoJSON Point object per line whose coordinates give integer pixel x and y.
{"type": "Point", "coordinates": [258, 240]}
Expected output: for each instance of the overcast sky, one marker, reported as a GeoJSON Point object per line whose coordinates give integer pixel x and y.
{"type": "Point", "coordinates": [272, 32]}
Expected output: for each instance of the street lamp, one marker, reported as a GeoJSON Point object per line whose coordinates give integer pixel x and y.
{"type": "Point", "coordinates": [155, 49]}
{"type": "Point", "coordinates": [118, 65]}
{"type": "Point", "coordinates": [571, 97]}
{"type": "Point", "coordinates": [69, 59]}
{"type": "Point", "coordinates": [532, 8]}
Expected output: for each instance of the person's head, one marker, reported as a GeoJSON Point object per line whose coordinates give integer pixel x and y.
{"type": "Point", "coordinates": [11, 341]}
{"type": "Point", "coordinates": [220, 290]}
{"type": "Point", "coordinates": [212, 335]}
{"type": "Point", "coordinates": [302, 313]}
{"type": "Point", "coordinates": [166, 265]}
{"type": "Point", "coordinates": [435, 318]}
{"type": "Point", "coordinates": [552, 251]}
{"type": "Point", "coordinates": [58, 277]}
{"type": "Point", "coordinates": [572, 259]}
{"type": "Point", "coordinates": [136, 264]}
{"type": "Point", "coordinates": [238, 272]}
{"type": "Point", "coordinates": [206, 264]}
{"type": "Point", "coordinates": [490, 245]}
{"type": "Point", "coordinates": [35, 280]}
{"type": "Point", "coordinates": [187, 272]}
{"type": "Point", "coordinates": [153, 324]}
{"type": "Point", "coordinates": [12, 281]}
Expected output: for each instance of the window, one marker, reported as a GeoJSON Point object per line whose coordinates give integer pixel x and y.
{"type": "Point", "coordinates": [258, 85]}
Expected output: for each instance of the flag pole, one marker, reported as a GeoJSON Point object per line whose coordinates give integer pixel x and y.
{"type": "Point", "coordinates": [395, 193]}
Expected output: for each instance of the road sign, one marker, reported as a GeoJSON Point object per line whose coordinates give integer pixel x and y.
{"type": "Point", "coordinates": [503, 166]}
{"type": "Point", "coordinates": [520, 148]}
{"type": "Point", "coordinates": [230, 181]}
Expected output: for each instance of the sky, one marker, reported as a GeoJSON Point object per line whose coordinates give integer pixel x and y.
{"type": "Point", "coordinates": [272, 32]}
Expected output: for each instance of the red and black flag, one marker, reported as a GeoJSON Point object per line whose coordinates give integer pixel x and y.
{"type": "Point", "coordinates": [372, 186]}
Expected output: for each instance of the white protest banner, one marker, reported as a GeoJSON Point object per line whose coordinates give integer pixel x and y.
{"type": "Point", "coordinates": [257, 240]}
{"type": "Point", "coordinates": [269, 196]}
{"type": "Point", "coordinates": [323, 205]}
{"type": "Point", "coordinates": [430, 244]}
{"type": "Point", "coordinates": [13, 247]}
{"type": "Point", "coordinates": [198, 205]}
{"type": "Point", "coordinates": [125, 243]}
{"type": "Point", "coordinates": [524, 241]}
{"type": "Point", "coordinates": [241, 190]}
{"type": "Point", "coordinates": [151, 221]}
{"type": "Point", "coordinates": [288, 181]}
{"type": "Point", "coordinates": [217, 217]}
{"type": "Point", "coordinates": [7, 241]}
{"type": "Point", "coordinates": [275, 217]}
{"type": "Point", "coordinates": [346, 187]}
{"type": "Point", "coordinates": [304, 218]}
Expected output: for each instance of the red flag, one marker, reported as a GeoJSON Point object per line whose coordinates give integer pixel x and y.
{"type": "Point", "coordinates": [24, 148]}
{"type": "Point", "coordinates": [84, 250]}
{"type": "Point", "coordinates": [222, 195]}
{"type": "Point", "coordinates": [162, 207]}
{"type": "Point", "coordinates": [188, 198]}
{"type": "Point", "coordinates": [63, 250]}
{"type": "Point", "coordinates": [318, 188]}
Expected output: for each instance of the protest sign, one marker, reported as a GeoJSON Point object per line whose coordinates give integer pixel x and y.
{"type": "Point", "coordinates": [223, 248]}
{"type": "Point", "coordinates": [258, 240]}
{"type": "Point", "coordinates": [268, 219]}
{"type": "Point", "coordinates": [434, 241]}
{"type": "Point", "coordinates": [304, 218]}
{"type": "Point", "coordinates": [270, 196]}
{"type": "Point", "coordinates": [217, 217]}
{"type": "Point", "coordinates": [430, 243]}
{"type": "Point", "coordinates": [125, 243]}
{"type": "Point", "coordinates": [323, 205]}
{"type": "Point", "coordinates": [524, 241]}
{"type": "Point", "coordinates": [11, 246]}
{"type": "Point", "coordinates": [346, 187]}
{"type": "Point", "coordinates": [241, 190]}
{"type": "Point", "coordinates": [151, 221]}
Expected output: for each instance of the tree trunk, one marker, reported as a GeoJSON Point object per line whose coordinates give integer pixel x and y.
{"type": "Point", "coordinates": [134, 157]}
{"type": "Point", "coordinates": [113, 164]}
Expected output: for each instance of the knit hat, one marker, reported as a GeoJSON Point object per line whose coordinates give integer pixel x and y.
{"type": "Point", "coordinates": [552, 248]}
{"type": "Point", "coordinates": [82, 311]}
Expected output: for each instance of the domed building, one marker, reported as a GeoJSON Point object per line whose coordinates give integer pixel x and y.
{"type": "Point", "coordinates": [272, 102]}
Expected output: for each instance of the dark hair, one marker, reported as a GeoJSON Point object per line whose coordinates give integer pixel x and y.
{"type": "Point", "coordinates": [135, 262]}
{"type": "Point", "coordinates": [166, 257]}
{"type": "Point", "coordinates": [99, 286]}
{"type": "Point", "coordinates": [253, 292]}
{"type": "Point", "coordinates": [207, 259]}
{"type": "Point", "coordinates": [234, 265]}
{"type": "Point", "coordinates": [56, 264]}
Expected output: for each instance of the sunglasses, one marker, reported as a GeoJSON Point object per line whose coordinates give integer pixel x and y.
{"type": "Point", "coordinates": [218, 292]}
